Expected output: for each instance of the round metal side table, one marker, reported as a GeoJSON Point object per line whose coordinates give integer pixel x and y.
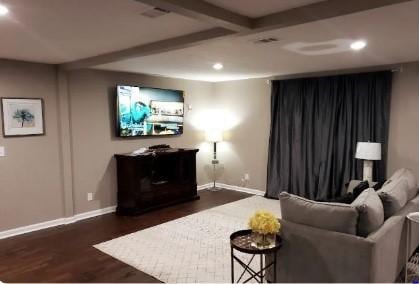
{"type": "Point", "coordinates": [412, 219]}
{"type": "Point", "coordinates": [242, 241]}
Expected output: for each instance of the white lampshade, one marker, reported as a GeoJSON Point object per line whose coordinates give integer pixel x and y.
{"type": "Point", "coordinates": [214, 135]}
{"type": "Point", "coordinates": [368, 151]}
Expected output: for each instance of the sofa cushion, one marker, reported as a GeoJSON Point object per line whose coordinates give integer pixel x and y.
{"type": "Point", "coordinates": [371, 212]}
{"type": "Point", "coordinates": [411, 182]}
{"type": "Point", "coordinates": [408, 175]}
{"type": "Point", "coordinates": [395, 176]}
{"type": "Point", "coordinates": [394, 196]}
{"type": "Point", "coordinates": [329, 216]}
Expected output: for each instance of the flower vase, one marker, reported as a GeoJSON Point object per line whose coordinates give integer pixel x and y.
{"type": "Point", "coordinates": [263, 241]}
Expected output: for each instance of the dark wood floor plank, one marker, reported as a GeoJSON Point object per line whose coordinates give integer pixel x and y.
{"type": "Point", "coordinates": [66, 253]}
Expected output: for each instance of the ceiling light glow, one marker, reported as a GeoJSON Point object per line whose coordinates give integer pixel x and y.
{"type": "Point", "coordinates": [217, 66]}
{"type": "Point", "coordinates": [3, 10]}
{"type": "Point", "coordinates": [358, 45]}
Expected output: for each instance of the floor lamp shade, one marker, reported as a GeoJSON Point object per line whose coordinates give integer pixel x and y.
{"type": "Point", "coordinates": [368, 152]}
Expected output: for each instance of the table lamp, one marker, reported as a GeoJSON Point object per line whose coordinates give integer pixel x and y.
{"type": "Point", "coordinates": [214, 136]}
{"type": "Point", "coordinates": [368, 151]}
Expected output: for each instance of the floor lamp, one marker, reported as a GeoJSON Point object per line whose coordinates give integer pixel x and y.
{"type": "Point", "coordinates": [214, 136]}
{"type": "Point", "coordinates": [368, 152]}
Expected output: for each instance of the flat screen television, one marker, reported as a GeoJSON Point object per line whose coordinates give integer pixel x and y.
{"type": "Point", "coordinates": [144, 111]}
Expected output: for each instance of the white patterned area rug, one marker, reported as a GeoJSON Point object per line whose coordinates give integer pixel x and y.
{"type": "Point", "coordinates": [195, 248]}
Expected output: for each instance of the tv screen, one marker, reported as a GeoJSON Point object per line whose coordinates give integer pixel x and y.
{"type": "Point", "coordinates": [143, 111]}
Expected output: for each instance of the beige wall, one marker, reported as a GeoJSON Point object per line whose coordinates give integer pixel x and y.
{"type": "Point", "coordinates": [34, 184]}
{"type": "Point", "coordinates": [247, 103]}
{"type": "Point", "coordinates": [92, 94]}
{"type": "Point", "coordinates": [30, 181]}
{"type": "Point", "coordinates": [404, 120]}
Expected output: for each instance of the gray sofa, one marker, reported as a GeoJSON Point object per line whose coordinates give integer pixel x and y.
{"type": "Point", "coordinates": [324, 252]}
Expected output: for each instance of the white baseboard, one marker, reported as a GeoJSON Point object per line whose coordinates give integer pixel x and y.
{"type": "Point", "coordinates": [91, 214]}
{"type": "Point", "coordinates": [56, 222]}
{"type": "Point", "coordinates": [240, 188]}
{"type": "Point", "coordinates": [232, 187]}
{"type": "Point", "coordinates": [94, 213]}
{"type": "Point", "coordinates": [204, 186]}
{"type": "Point", "coordinates": [30, 228]}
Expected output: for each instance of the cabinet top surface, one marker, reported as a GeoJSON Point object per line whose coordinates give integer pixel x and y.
{"type": "Point", "coordinates": [167, 151]}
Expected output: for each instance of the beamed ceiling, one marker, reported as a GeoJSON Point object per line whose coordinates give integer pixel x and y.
{"type": "Point", "coordinates": [310, 35]}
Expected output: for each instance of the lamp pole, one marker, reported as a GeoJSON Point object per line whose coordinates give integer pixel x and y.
{"type": "Point", "coordinates": [214, 136]}
{"type": "Point", "coordinates": [214, 163]}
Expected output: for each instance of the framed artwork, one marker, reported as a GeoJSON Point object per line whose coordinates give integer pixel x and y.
{"type": "Point", "coordinates": [22, 116]}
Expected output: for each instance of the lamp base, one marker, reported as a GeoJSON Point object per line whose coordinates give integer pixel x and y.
{"type": "Point", "coordinates": [214, 189]}
{"type": "Point", "coordinates": [368, 170]}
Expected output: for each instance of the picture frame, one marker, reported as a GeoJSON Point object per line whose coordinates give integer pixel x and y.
{"type": "Point", "coordinates": [22, 116]}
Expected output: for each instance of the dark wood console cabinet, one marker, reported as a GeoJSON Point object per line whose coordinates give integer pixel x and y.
{"type": "Point", "coordinates": [153, 180]}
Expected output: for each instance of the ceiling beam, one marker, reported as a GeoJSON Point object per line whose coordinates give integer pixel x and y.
{"type": "Point", "coordinates": [204, 11]}
{"type": "Point", "coordinates": [149, 49]}
{"type": "Point", "coordinates": [316, 12]}
{"type": "Point", "coordinates": [310, 13]}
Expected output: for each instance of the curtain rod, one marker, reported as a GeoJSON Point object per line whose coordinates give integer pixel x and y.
{"type": "Point", "coordinates": [391, 68]}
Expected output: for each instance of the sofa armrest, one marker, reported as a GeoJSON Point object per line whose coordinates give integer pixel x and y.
{"type": "Point", "coordinates": [389, 250]}
{"type": "Point", "coordinates": [310, 254]}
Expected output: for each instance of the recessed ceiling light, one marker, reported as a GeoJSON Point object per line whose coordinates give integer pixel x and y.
{"type": "Point", "coordinates": [217, 66]}
{"type": "Point", "coordinates": [3, 10]}
{"type": "Point", "coordinates": [358, 45]}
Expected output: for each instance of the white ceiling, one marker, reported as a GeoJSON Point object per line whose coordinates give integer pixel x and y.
{"type": "Point", "coordinates": [57, 31]}
{"type": "Point", "coordinates": [392, 33]}
{"type": "Point", "coordinates": [258, 8]}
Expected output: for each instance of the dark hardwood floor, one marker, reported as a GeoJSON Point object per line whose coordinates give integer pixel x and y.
{"type": "Point", "coordinates": [65, 253]}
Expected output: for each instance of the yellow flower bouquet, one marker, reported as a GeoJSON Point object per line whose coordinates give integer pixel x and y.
{"type": "Point", "coordinates": [264, 226]}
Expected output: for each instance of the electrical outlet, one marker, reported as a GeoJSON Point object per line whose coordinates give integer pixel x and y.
{"type": "Point", "coordinates": [2, 151]}
{"type": "Point", "coordinates": [89, 196]}
{"type": "Point", "coordinates": [246, 177]}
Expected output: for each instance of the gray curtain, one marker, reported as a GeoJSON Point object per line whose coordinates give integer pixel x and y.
{"type": "Point", "coordinates": [315, 125]}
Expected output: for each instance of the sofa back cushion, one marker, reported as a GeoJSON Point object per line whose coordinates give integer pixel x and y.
{"type": "Point", "coordinates": [410, 178]}
{"type": "Point", "coordinates": [371, 212]}
{"type": "Point", "coordinates": [328, 216]}
{"type": "Point", "coordinates": [411, 183]}
{"type": "Point", "coordinates": [394, 196]}
{"type": "Point", "coordinates": [395, 176]}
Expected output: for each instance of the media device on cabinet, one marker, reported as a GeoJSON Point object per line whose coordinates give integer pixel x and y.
{"type": "Point", "coordinates": [144, 111]}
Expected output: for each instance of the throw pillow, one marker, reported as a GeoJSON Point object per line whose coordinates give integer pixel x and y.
{"type": "Point", "coordinates": [411, 183]}
{"type": "Point", "coordinates": [396, 175]}
{"type": "Point", "coordinates": [360, 188]}
{"type": "Point", "coordinates": [394, 196]}
{"type": "Point", "coordinates": [336, 217]}
{"type": "Point", "coordinates": [378, 185]}
{"type": "Point", "coordinates": [371, 212]}
{"type": "Point", "coordinates": [352, 184]}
